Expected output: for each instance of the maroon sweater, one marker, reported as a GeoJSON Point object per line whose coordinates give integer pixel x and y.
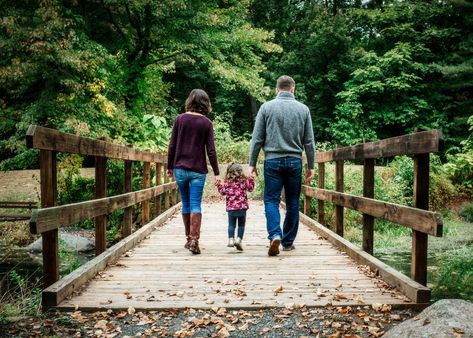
{"type": "Point", "coordinates": [191, 135]}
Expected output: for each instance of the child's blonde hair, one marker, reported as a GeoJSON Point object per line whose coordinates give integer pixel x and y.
{"type": "Point", "coordinates": [234, 172]}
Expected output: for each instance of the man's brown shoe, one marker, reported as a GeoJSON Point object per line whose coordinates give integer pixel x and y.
{"type": "Point", "coordinates": [274, 247]}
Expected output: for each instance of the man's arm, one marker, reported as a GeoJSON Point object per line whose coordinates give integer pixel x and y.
{"type": "Point", "coordinates": [257, 139]}
{"type": "Point", "coordinates": [309, 147]}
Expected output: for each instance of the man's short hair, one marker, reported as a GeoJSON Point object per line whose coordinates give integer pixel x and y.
{"type": "Point", "coordinates": [285, 83]}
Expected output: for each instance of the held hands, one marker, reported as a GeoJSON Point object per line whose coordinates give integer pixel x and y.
{"type": "Point", "coordinates": [253, 172]}
{"type": "Point", "coordinates": [169, 172]}
{"type": "Point", "coordinates": [309, 175]}
{"type": "Point", "coordinates": [218, 181]}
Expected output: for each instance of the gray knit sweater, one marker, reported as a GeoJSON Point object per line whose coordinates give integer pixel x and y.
{"type": "Point", "coordinates": [283, 127]}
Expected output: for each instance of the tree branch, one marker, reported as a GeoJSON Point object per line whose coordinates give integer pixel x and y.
{"type": "Point", "coordinates": [163, 58]}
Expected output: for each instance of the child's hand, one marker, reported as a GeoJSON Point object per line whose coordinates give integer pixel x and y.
{"type": "Point", "coordinates": [218, 181]}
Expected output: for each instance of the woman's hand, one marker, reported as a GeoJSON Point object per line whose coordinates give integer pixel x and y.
{"type": "Point", "coordinates": [218, 180]}
{"type": "Point", "coordinates": [169, 172]}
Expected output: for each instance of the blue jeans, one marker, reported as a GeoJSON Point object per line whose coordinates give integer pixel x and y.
{"type": "Point", "coordinates": [233, 217]}
{"type": "Point", "coordinates": [191, 186]}
{"type": "Point", "coordinates": [278, 173]}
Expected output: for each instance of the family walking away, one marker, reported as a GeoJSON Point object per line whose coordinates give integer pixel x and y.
{"type": "Point", "coordinates": [283, 129]}
{"type": "Point", "coordinates": [234, 188]}
{"type": "Point", "coordinates": [192, 136]}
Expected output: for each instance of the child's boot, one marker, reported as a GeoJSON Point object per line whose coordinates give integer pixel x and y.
{"type": "Point", "coordinates": [238, 244]}
{"type": "Point", "coordinates": [231, 242]}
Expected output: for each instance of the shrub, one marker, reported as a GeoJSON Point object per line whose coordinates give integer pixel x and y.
{"type": "Point", "coordinates": [466, 212]}
{"type": "Point", "coordinates": [460, 169]}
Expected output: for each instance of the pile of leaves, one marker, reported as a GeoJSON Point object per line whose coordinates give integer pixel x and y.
{"type": "Point", "coordinates": [298, 321]}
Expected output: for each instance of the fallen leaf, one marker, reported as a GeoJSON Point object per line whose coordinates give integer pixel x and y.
{"type": "Point", "coordinates": [278, 290]}
{"type": "Point", "coordinates": [244, 327]}
{"type": "Point", "coordinates": [426, 322]}
{"type": "Point", "coordinates": [131, 310]}
{"type": "Point", "coordinates": [101, 324]}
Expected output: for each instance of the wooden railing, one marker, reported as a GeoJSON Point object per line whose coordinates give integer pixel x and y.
{"type": "Point", "coordinates": [47, 220]}
{"type": "Point", "coordinates": [418, 218]}
{"type": "Point", "coordinates": [30, 205]}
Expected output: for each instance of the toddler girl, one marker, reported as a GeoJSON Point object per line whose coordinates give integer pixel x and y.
{"type": "Point", "coordinates": [235, 186]}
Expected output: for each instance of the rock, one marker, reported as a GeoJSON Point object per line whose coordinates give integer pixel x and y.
{"type": "Point", "coordinates": [73, 241]}
{"type": "Point", "coordinates": [445, 318]}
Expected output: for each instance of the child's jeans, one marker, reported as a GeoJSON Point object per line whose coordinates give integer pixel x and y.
{"type": "Point", "coordinates": [233, 217]}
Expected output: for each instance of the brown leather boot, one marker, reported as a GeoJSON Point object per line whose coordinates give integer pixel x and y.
{"type": "Point", "coordinates": [196, 220]}
{"type": "Point", "coordinates": [186, 219]}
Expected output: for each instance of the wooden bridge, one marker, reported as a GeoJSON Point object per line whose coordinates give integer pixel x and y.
{"type": "Point", "coordinates": [150, 269]}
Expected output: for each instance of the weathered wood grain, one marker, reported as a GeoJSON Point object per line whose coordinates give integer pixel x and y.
{"type": "Point", "coordinates": [100, 192]}
{"type": "Point", "coordinates": [50, 139]}
{"type": "Point", "coordinates": [52, 218]}
{"type": "Point", "coordinates": [417, 143]}
{"type": "Point", "coordinates": [368, 191]}
{"type": "Point", "coordinates": [421, 220]}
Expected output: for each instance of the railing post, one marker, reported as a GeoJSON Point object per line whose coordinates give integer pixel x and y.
{"type": "Point", "coordinates": [159, 181]}
{"type": "Point", "coordinates": [339, 188]}
{"type": "Point", "coordinates": [421, 201]}
{"type": "Point", "coordinates": [128, 212]}
{"type": "Point", "coordinates": [146, 184]}
{"type": "Point", "coordinates": [321, 185]}
{"type": "Point", "coordinates": [48, 177]}
{"type": "Point", "coordinates": [100, 192]}
{"type": "Point", "coordinates": [368, 191]}
{"type": "Point", "coordinates": [167, 193]}
{"type": "Point", "coordinates": [307, 199]}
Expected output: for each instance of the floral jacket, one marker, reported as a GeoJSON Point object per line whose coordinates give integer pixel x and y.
{"type": "Point", "coordinates": [235, 191]}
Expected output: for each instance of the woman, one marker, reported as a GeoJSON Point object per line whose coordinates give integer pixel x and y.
{"type": "Point", "coordinates": [192, 135]}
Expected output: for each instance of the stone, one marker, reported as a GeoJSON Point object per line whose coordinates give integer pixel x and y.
{"type": "Point", "coordinates": [69, 241]}
{"type": "Point", "coordinates": [445, 318]}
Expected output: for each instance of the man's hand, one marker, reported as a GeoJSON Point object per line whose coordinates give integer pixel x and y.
{"type": "Point", "coordinates": [169, 172]}
{"type": "Point", "coordinates": [218, 181]}
{"type": "Point", "coordinates": [252, 172]}
{"type": "Point", "coordinates": [309, 175]}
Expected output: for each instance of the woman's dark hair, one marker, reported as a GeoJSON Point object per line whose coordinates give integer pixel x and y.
{"type": "Point", "coordinates": [198, 102]}
{"type": "Point", "coordinates": [234, 172]}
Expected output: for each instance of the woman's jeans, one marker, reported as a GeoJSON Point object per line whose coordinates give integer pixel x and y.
{"type": "Point", "coordinates": [233, 217]}
{"type": "Point", "coordinates": [278, 173]}
{"type": "Point", "coordinates": [191, 185]}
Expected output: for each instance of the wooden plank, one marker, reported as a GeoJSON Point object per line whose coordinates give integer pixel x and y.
{"type": "Point", "coordinates": [167, 179]}
{"type": "Point", "coordinates": [339, 187]}
{"type": "Point", "coordinates": [57, 292]}
{"type": "Point", "coordinates": [417, 143]}
{"type": "Point", "coordinates": [14, 217]}
{"type": "Point", "coordinates": [50, 139]}
{"type": "Point", "coordinates": [321, 185]}
{"type": "Point", "coordinates": [48, 181]}
{"type": "Point", "coordinates": [159, 180]}
{"type": "Point", "coordinates": [415, 291]}
{"type": "Point", "coordinates": [146, 184]}
{"type": "Point", "coordinates": [100, 192]}
{"type": "Point", "coordinates": [368, 191]}
{"type": "Point", "coordinates": [421, 220]}
{"type": "Point", "coordinates": [52, 218]}
{"type": "Point", "coordinates": [307, 199]}
{"type": "Point", "coordinates": [421, 201]}
{"type": "Point", "coordinates": [128, 212]}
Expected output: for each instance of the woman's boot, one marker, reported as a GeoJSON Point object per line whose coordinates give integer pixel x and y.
{"type": "Point", "coordinates": [196, 220]}
{"type": "Point", "coordinates": [186, 218]}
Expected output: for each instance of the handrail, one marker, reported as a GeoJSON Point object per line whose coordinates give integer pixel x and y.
{"type": "Point", "coordinates": [49, 218]}
{"type": "Point", "coordinates": [418, 218]}
{"type": "Point", "coordinates": [411, 144]}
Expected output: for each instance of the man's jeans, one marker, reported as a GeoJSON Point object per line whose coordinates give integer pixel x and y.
{"type": "Point", "coordinates": [191, 185]}
{"type": "Point", "coordinates": [278, 173]}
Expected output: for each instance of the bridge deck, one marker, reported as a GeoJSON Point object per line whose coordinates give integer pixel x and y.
{"type": "Point", "coordinates": [159, 273]}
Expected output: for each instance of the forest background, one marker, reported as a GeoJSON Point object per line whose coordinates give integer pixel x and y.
{"type": "Point", "coordinates": [368, 70]}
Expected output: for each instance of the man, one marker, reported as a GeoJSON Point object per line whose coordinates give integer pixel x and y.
{"type": "Point", "coordinates": [283, 128]}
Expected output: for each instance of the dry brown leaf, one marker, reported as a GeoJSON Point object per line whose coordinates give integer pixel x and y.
{"type": "Point", "coordinates": [101, 324]}
{"type": "Point", "coordinates": [278, 290]}
{"type": "Point", "coordinates": [396, 317]}
{"type": "Point", "coordinates": [426, 322]}
{"type": "Point", "coordinates": [223, 332]}
{"type": "Point", "coordinates": [339, 297]}
{"type": "Point", "coordinates": [208, 301]}
{"type": "Point", "coordinates": [131, 310]}
{"type": "Point", "coordinates": [244, 327]}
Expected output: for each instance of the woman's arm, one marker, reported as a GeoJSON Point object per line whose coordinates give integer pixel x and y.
{"type": "Point", "coordinates": [211, 152]}
{"type": "Point", "coordinates": [172, 146]}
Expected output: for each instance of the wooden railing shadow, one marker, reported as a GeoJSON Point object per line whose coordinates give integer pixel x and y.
{"type": "Point", "coordinates": [47, 220]}
{"type": "Point", "coordinates": [418, 218]}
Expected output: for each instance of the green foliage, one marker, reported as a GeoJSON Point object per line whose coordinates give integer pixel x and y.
{"type": "Point", "coordinates": [455, 276]}
{"type": "Point", "coordinates": [466, 212]}
{"type": "Point", "coordinates": [460, 169]}
{"type": "Point", "coordinates": [229, 148]}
